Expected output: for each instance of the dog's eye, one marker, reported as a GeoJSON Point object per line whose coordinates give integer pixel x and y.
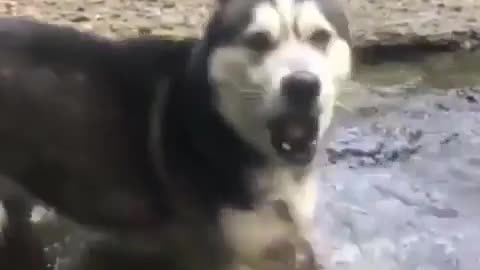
{"type": "Point", "coordinates": [320, 37]}
{"type": "Point", "coordinates": [259, 41]}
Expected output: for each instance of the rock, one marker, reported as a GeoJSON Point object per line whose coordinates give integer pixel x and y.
{"type": "Point", "coordinates": [439, 24]}
{"type": "Point", "coordinates": [79, 18]}
{"type": "Point", "coordinates": [144, 30]}
{"type": "Point", "coordinates": [169, 4]}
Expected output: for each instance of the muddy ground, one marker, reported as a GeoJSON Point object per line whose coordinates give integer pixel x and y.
{"type": "Point", "coordinates": [386, 22]}
{"type": "Point", "coordinates": [401, 167]}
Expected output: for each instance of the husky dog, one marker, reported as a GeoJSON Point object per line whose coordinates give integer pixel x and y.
{"type": "Point", "coordinates": [205, 146]}
{"type": "Point", "coordinates": [273, 69]}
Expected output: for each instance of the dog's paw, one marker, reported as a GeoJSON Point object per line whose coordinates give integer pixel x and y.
{"type": "Point", "coordinates": [296, 254]}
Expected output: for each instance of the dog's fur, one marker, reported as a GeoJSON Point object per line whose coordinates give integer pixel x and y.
{"type": "Point", "coordinates": [246, 86]}
{"type": "Point", "coordinates": [20, 248]}
{"type": "Point", "coordinates": [140, 134]}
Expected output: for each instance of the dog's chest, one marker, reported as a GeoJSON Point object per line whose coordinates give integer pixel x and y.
{"type": "Point", "coordinates": [274, 183]}
{"type": "Point", "coordinates": [296, 188]}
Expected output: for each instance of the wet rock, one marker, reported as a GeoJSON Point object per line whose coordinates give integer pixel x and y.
{"type": "Point", "coordinates": [450, 138]}
{"type": "Point", "coordinates": [144, 30]}
{"type": "Point", "coordinates": [471, 99]}
{"type": "Point", "coordinates": [440, 212]}
{"type": "Point", "coordinates": [442, 107]}
{"type": "Point", "coordinates": [367, 111]}
{"type": "Point", "coordinates": [79, 18]}
{"type": "Point", "coordinates": [362, 149]}
{"type": "Point", "coordinates": [405, 187]}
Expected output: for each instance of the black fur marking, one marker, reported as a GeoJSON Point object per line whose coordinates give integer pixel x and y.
{"type": "Point", "coordinates": [20, 248]}
{"type": "Point", "coordinates": [75, 114]}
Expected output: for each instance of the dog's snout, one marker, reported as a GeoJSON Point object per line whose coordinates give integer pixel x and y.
{"type": "Point", "coordinates": [301, 87]}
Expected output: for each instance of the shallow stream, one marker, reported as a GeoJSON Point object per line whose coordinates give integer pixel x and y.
{"type": "Point", "coordinates": [401, 173]}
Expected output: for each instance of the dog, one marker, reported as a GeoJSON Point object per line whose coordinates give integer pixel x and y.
{"type": "Point", "coordinates": [207, 146]}
{"type": "Point", "coordinates": [273, 70]}
{"type": "Point", "coordinates": [75, 131]}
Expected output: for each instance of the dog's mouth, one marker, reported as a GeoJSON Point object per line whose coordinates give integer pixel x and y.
{"type": "Point", "coordinates": [294, 137]}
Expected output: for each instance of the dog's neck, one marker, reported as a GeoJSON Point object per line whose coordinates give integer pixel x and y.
{"type": "Point", "coordinates": [198, 134]}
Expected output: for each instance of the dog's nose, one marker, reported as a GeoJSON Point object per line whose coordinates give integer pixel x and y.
{"type": "Point", "coordinates": [301, 87]}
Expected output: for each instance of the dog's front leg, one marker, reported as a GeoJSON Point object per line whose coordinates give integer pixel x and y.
{"type": "Point", "coordinates": [302, 198]}
{"type": "Point", "coordinates": [265, 239]}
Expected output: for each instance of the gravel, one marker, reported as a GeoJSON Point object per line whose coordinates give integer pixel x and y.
{"type": "Point", "coordinates": [452, 23]}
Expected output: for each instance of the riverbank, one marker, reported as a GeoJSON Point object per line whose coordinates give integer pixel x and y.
{"type": "Point", "coordinates": [378, 26]}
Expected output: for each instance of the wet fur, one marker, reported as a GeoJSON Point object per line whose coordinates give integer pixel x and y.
{"type": "Point", "coordinates": [20, 247]}
{"type": "Point", "coordinates": [246, 87]}
{"type": "Point", "coordinates": [127, 136]}
{"type": "Point", "coordinates": [76, 131]}
{"type": "Point", "coordinates": [75, 117]}
{"type": "Point", "coordinates": [78, 115]}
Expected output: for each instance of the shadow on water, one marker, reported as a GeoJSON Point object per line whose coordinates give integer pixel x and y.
{"type": "Point", "coordinates": [401, 174]}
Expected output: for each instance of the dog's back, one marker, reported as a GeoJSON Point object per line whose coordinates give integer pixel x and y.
{"type": "Point", "coordinates": [74, 118]}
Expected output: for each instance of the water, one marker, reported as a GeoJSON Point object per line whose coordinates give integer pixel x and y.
{"type": "Point", "coordinates": [401, 173]}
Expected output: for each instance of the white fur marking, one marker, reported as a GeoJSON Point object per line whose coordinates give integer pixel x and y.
{"type": "Point", "coordinates": [287, 10]}
{"type": "Point", "coordinates": [266, 18]}
{"type": "Point", "coordinates": [311, 18]}
{"type": "Point", "coordinates": [286, 146]}
{"type": "Point", "coordinates": [250, 232]}
{"type": "Point", "coordinates": [298, 191]}
{"type": "Point", "coordinates": [249, 91]}
{"type": "Point", "coordinates": [3, 217]}
{"type": "Point", "coordinates": [41, 214]}
{"type": "Point", "coordinates": [340, 59]}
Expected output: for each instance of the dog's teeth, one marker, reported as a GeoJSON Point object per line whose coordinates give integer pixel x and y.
{"type": "Point", "coordinates": [314, 142]}
{"type": "Point", "coordinates": [286, 146]}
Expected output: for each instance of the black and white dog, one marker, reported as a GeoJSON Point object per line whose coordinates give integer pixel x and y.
{"type": "Point", "coordinates": [211, 140]}
{"type": "Point", "coordinates": [273, 69]}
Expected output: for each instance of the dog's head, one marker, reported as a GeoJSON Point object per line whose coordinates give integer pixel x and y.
{"type": "Point", "coordinates": [275, 66]}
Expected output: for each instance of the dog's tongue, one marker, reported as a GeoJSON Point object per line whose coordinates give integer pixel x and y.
{"type": "Point", "coordinates": [294, 138]}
